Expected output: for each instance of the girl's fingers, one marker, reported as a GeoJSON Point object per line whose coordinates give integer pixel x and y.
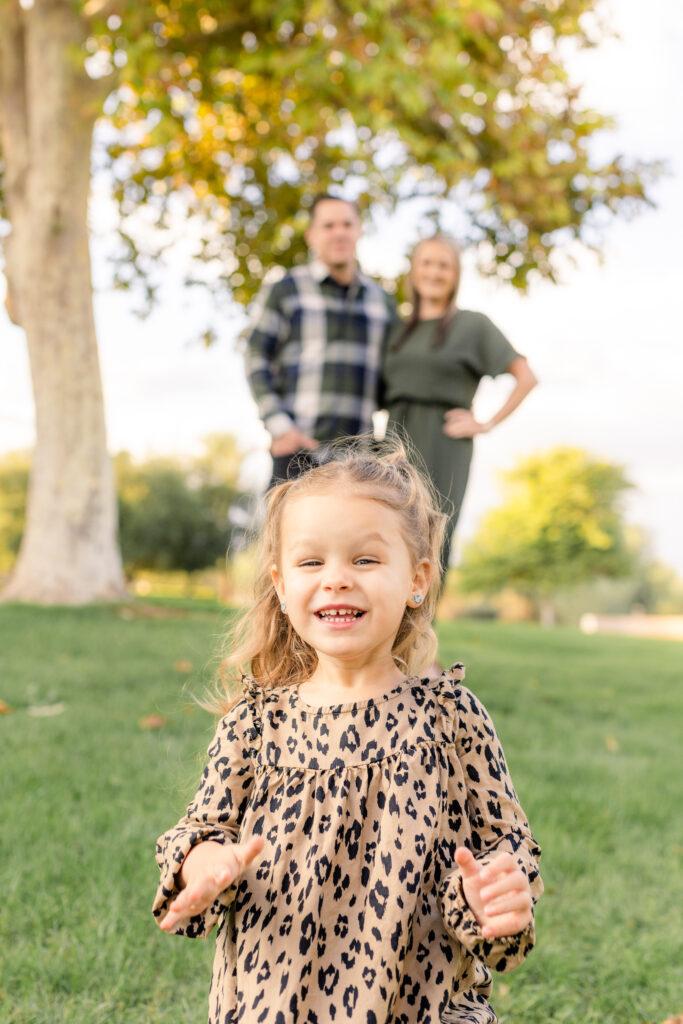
{"type": "Point", "coordinates": [516, 902]}
{"type": "Point", "coordinates": [506, 924]}
{"type": "Point", "coordinates": [241, 855]}
{"type": "Point", "coordinates": [502, 863]}
{"type": "Point", "coordinates": [201, 894]}
{"type": "Point", "coordinates": [245, 852]}
{"type": "Point", "coordinates": [466, 862]}
{"type": "Point", "coordinates": [504, 884]}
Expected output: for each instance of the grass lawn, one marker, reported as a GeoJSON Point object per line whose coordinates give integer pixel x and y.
{"type": "Point", "coordinates": [591, 729]}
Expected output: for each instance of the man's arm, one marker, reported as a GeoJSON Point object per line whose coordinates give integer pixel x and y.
{"type": "Point", "coordinates": [267, 331]}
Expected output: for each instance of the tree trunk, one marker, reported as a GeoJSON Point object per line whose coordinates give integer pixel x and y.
{"type": "Point", "coordinates": [69, 552]}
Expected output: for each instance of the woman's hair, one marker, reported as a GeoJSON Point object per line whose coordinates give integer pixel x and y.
{"type": "Point", "coordinates": [262, 642]}
{"type": "Point", "coordinates": [414, 295]}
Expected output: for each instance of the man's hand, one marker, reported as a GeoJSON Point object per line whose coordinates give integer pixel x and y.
{"type": "Point", "coordinates": [498, 893]}
{"type": "Point", "coordinates": [292, 441]}
{"type": "Point", "coordinates": [208, 870]}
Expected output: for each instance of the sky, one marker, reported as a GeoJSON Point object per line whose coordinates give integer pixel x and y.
{"type": "Point", "coordinates": [606, 344]}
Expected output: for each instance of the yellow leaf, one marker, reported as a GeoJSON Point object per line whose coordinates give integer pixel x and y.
{"type": "Point", "coordinates": [153, 722]}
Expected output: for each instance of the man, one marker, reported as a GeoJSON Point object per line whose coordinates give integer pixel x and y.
{"type": "Point", "coordinates": [315, 342]}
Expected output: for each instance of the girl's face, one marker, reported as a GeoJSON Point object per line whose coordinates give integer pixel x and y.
{"type": "Point", "coordinates": [434, 272]}
{"type": "Point", "coordinates": [346, 574]}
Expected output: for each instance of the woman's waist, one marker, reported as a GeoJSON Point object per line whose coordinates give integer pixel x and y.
{"type": "Point", "coordinates": [437, 403]}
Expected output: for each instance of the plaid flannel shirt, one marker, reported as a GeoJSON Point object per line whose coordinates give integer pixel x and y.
{"type": "Point", "coordinates": [313, 352]}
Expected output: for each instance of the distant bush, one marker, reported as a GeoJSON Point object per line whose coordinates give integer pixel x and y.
{"type": "Point", "coordinates": [14, 472]}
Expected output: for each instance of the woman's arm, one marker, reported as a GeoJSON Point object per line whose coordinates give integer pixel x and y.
{"type": "Point", "coordinates": [462, 423]}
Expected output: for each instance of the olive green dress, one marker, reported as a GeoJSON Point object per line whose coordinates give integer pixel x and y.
{"type": "Point", "coordinates": [420, 383]}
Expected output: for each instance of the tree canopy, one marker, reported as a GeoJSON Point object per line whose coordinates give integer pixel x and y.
{"type": "Point", "coordinates": [239, 115]}
{"type": "Point", "coordinates": [560, 524]}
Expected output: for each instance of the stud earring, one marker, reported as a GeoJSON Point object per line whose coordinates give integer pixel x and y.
{"type": "Point", "coordinates": [418, 599]}
{"type": "Point", "coordinates": [283, 606]}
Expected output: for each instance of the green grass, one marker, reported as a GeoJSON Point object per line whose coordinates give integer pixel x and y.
{"type": "Point", "coordinates": [591, 729]}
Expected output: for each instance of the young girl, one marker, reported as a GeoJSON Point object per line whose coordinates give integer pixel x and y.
{"type": "Point", "coordinates": [355, 834]}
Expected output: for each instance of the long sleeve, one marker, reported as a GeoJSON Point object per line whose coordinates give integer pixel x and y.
{"type": "Point", "coordinates": [215, 812]}
{"type": "Point", "coordinates": [497, 823]}
{"type": "Point", "coordinates": [268, 329]}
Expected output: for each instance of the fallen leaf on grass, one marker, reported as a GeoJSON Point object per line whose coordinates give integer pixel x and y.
{"type": "Point", "coordinates": [611, 743]}
{"type": "Point", "coordinates": [183, 665]}
{"type": "Point", "coordinates": [5, 709]}
{"type": "Point", "coordinates": [46, 710]}
{"type": "Point", "coordinates": [152, 722]}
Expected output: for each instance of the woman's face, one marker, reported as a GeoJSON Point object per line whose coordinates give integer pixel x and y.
{"type": "Point", "coordinates": [434, 273]}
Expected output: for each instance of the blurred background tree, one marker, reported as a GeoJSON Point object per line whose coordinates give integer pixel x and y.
{"type": "Point", "coordinates": [217, 124]}
{"type": "Point", "coordinates": [173, 513]}
{"type": "Point", "coordinates": [560, 525]}
{"type": "Point", "coordinates": [14, 472]}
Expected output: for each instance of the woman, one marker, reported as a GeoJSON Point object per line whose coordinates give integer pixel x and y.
{"type": "Point", "coordinates": [432, 368]}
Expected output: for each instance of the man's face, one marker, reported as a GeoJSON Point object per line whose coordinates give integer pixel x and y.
{"type": "Point", "coordinates": [334, 232]}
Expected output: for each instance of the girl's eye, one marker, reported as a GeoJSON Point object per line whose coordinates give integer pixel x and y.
{"type": "Point", "coordinates": [367, 561]}
{"type": "Point", "coordinates": [310, 562]}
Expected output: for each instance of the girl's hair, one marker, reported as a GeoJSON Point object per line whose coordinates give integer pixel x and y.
{"type": "Point", "coordinates": [414, 295]}
{"type": "Point", "coordinates": [263, 643]}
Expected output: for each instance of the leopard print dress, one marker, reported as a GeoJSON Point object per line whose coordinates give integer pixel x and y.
{"type": "Point", "coordinates": [354, 910]}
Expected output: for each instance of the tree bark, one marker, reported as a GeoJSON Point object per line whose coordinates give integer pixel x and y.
{"type": "Point", "coordinates": [69, 552]}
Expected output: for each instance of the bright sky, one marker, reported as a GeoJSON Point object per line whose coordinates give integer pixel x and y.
{"type": "Point", "coordinates": [606, 344]}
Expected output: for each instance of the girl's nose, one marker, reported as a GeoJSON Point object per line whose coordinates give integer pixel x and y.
{"type": "Point", "coordinates": [336, 579]}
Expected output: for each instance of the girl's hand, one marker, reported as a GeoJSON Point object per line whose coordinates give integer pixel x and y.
{"type": "Point", "coordinates": [461, 423]}
{"type": "Point", "coordinates": [498, 893]}
{"type": "Point", "coordinates": [208, 870]}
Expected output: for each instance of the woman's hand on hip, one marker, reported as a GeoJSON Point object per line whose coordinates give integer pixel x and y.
{"type": "Point", "coordinates": [461, 423]}
{"type": "Point", "coordinates": [207, 871]}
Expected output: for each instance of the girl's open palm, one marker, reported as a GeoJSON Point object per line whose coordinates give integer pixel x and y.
{"type": "Point", "coordinates": [498, 893]}
{"type": "Point", "coordinates": [209, 869]}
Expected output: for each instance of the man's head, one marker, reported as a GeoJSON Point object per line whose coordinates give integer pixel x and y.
{"type": "Point", "coordinates": [333, 232]}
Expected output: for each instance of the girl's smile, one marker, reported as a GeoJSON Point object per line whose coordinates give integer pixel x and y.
{"type": "Point", "coordinates": [339, 617]}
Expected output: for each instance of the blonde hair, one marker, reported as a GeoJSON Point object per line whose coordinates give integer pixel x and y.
{"type": "Point", "coordinates": [262, 643]}
{"type": "Point", "coordinates": [440, 334]}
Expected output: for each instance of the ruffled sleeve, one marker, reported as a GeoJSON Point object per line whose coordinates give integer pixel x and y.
{"type": "Point", "coordinates": [217, 809]}
{"type": "Point", "coordinates": [497, 823]}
